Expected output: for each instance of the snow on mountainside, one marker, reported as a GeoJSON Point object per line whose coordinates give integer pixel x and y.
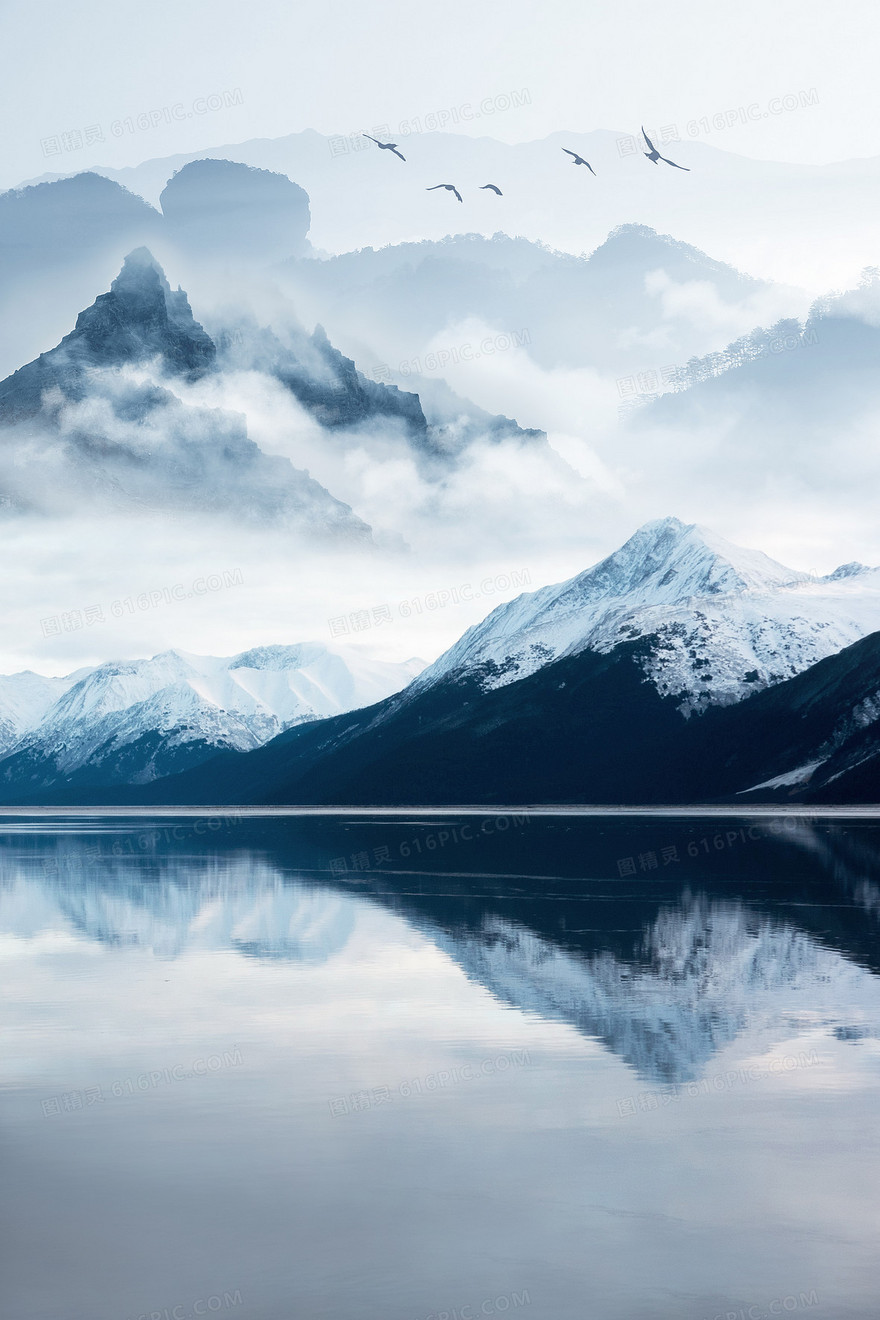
{"type": "Point", "coordinates": [724, 621]}
{"type": "Point", "coordinates": [176, 699]}
{"type": "Point", "coordinates": [24, 700]}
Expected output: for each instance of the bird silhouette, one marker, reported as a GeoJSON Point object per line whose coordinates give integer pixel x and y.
{"type": "Point", "coordinates": [578, 160]}
{"type": "Point", "coordinates": [386, 146]}
{"type": "Point", "coordinates": [450, 187]}
{"type": "Point", "coordinates": [493, 187]}
{"type": "Point", "coordinates": [654, 155]}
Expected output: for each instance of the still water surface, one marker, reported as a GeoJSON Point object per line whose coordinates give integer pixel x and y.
{"type": "Point", "coordinates": [356, 1068]}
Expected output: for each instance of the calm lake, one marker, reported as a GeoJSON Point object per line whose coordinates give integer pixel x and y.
{"type": "Point", "coordinates": [373, 1067]}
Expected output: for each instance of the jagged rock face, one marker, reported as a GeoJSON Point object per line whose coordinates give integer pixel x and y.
{"type": "Point", "coordinates": [221, 208]}
{"type": "Point", "coordinates": [138, 320]}
{"type": "Point", "coordinates": [354, 399]}
{"type": "Point", "coordinates": [141, 317]}
{"type": "Point", "coordinates": [321, 378]}
{"type": "Point", "coordinates": [437, 424]}
{"type": "Point", "coordinates": [81, 421]}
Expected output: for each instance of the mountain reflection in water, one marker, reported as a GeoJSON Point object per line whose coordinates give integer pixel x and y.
{"type": "Point", "coordinates": [665, 968]}
{"type": "Point", "coordinates": [618, 1066]}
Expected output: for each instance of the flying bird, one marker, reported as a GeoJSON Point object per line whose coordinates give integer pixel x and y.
{"type": "Point", "coordinates": [386, 146]}
{"type": "Point", "coordinates": [578, 160]}
{"type": "Point", "coordinates": [493, 187]}
{"type": "Point", "coordinates": [450, 187]}
{"type": "Point", "coordinates": [654, 155]}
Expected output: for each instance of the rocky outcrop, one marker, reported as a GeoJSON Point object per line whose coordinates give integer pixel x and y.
{"type": "Point", "coordinates": [140, 319]}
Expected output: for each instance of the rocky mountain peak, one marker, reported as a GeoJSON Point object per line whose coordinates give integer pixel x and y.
{"type": "Point", "coordinates": [139, 318]}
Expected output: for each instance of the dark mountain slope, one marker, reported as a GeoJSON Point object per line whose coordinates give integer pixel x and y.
{"type": "Point", "coordinates": [587, 728]}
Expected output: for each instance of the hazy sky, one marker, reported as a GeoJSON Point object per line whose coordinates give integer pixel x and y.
{"type": "Point", "coordinates": [346, 65]}
{"type": "Point", "coordinates": [115, 85]}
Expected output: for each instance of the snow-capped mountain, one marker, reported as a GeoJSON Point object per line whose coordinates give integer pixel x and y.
{"type": "Point", "coordinates": [131, 721]}
{"type": "Point", "coordinates": [679, 669]}
{"type": "Point", "coordinates": [24, 700]}
{"type": "Point", "coordinates": [722, 621]}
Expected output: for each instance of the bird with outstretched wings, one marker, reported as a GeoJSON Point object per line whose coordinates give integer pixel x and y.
{"type": "Point", "coordinates": [578, 160]}
{"type": "Point", "coordinates": [450, 187]}
{"type": "Point", "coordinates": [386, 146]}
{"type": "Point", "coordinates": [654, 155]}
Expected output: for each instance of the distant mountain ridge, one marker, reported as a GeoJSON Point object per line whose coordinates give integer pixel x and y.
{"type": "Point", "coordinates": [131, 721]}
{"type": "Point", "coordinates": [633, 303]}
{"type": "Point", "coordinates": [728, 197]}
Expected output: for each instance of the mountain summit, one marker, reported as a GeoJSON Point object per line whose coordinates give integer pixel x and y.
{"type": "Point", "coordinates": [722, 620]}
{"type": "Point", "coordinates": [139, 319]}
{"type": "Point", "coordinates": [668, 561]}
{"type": "Point", "coordinates": [141, 316]}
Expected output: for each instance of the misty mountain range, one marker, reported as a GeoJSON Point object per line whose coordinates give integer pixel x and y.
{"type": "Point", "coordinates": [98, 415]}
{"type": "Point", "coordinates": [647, 312]}
{"type": "Point", "coordinates": [680, 668]}
{"type": "Point", "coordinates": [821, 214]}
{"type": "Point", "coordinates": [641, 299]}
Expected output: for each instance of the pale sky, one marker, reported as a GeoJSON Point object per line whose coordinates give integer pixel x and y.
{"type": "Point", "coordinates": [345, 65]}
{"type": "Point", "coordinates": [139, 82]}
